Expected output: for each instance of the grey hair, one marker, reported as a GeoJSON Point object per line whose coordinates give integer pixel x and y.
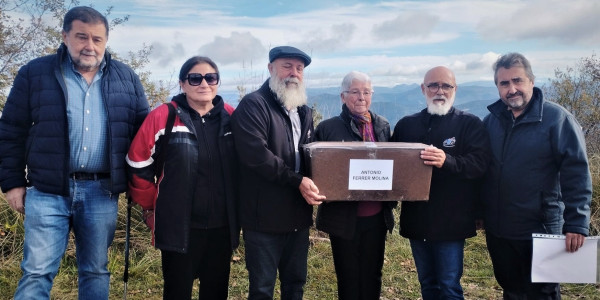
{"type": "Point", "coordinates": [513, 59]}
{"type": "Point", "coordinates": [354, 75]}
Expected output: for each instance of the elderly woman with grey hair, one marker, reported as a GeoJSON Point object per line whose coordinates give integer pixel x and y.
{"type": "Point", "coordinates": [357, 229]}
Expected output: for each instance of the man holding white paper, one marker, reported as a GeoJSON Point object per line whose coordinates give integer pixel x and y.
{"type": "Point", "coordinates": [538, 181]}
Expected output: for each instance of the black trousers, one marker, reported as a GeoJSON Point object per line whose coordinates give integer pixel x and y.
{"type": "Point", "coordinates": [358, 262]}
{"type": "Point", "coordinates": [208, 258]}
{"type": "Point", "coordinates": [512, 268]}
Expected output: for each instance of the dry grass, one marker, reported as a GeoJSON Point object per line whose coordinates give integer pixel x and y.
{"type": "Point", "coordinates": [145, 281]}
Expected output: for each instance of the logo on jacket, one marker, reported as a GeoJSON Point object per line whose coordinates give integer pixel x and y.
{"type": "Point", "coordinates": [450, 142]}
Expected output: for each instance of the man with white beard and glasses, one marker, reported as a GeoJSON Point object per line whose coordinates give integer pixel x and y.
{"type": "Point", "coordinates": [459, 152]}
{"type": "Point", "coordinates": [269, 125]}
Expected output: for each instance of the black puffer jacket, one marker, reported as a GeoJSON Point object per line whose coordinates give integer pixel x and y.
{"type": "Point", "coordinates": [34, 132]}
{"type": "Point", "coordinates": [270, 194]}
{"type": "Point", "coordinates": [453, 197]}
{"type": "Point", "coordinates": [339, 218]}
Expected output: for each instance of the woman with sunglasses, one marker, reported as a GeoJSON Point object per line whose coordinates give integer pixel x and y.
{"type": "Point", "coordinates": [190, 206]}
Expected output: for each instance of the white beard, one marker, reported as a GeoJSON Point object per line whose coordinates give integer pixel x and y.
{"type": "Point", "coordinates": [436, 108]}
{"type": "Point", "coordinates": [291, 95]}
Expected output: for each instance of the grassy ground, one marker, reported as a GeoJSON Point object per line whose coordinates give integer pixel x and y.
{"type": "Point", "coordinates": [145, 282]}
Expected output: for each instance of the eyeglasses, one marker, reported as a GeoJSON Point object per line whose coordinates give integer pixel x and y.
{"type": "Point", "coordinates": [434, 87]}
{"type": "Point", "coordinates": [356, 93]}
{"type": "Point", "coordinates": [195, 79]}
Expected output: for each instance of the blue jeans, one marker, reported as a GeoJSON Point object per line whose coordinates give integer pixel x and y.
{"type": "Point", "coordinates": [268, 252]}
{"type": "Point", "coordinates": [439, 268]}
{"type": "Point", "coordinates": [91, 212]}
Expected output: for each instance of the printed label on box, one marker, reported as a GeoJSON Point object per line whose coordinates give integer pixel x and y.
{"type": "Point", "coordinates": [371, 174]}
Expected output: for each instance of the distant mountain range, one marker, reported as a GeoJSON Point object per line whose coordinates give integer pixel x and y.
{"type": "Point", "coordinates": [396, 102]}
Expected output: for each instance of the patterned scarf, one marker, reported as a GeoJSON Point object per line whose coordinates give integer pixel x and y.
{"type": "Point", "coordinates": [366, 208]}
{"type": "Point", "coordinates": [364, 126]}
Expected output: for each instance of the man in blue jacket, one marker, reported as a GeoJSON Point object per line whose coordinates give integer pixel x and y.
{"type": "Point", "coordinates": [538, 180]}
{"type": "Point", "coordinates": [64, 134]}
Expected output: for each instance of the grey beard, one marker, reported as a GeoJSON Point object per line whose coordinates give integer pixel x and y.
{"type": "Point", "coordinates": [438, 109]}
{"type": "Point", "coordinates": [291, 97]}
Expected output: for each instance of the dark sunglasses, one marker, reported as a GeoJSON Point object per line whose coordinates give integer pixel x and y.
{"type": "Point", "coordinates": [196, 78]}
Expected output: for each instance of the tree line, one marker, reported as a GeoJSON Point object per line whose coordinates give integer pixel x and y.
{"type": "Point", "coordinates": [32, 28]}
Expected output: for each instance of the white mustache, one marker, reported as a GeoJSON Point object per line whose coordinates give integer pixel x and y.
{"type": "Point", "coordinates": [292, 80]}
{"type": "Point", "coordinates": [93, 53]}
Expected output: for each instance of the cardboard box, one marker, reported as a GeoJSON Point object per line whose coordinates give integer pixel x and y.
{"type": "Point", "coordinates": [368, 171]}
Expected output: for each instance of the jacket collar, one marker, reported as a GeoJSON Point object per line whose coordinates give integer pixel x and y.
{"type": "Point", "coordinates": [218, 104]}
{"type": "Point", "coordinates": [379, 123]}
{"type": "Point", "coordinates": [347, 115]}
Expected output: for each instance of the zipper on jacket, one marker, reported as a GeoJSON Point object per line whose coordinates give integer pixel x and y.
{"type": "Point", "coordinates": [108, 131]}
{"type": "Point", "coordinates": [505, 144]}
{"type": "Point", "coordinates": [207, 205]}
{"type": "Point", "coordinates": [63, 86]}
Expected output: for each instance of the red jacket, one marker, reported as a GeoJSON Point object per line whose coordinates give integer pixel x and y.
{"type": "Point", "coordinates": [173, 194]}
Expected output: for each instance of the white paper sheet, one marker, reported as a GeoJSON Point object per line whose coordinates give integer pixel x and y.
{"type": "Point", "coordinates": [552, 263]}
{"type": "Point", "coordinates": [371, 174]}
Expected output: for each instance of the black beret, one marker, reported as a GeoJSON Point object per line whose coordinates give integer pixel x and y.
{"type": "Point", "coordinates": [288, 51]}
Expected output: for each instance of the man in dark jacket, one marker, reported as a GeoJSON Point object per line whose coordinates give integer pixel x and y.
{"type": "Point", "coordinates": [459, 152]}
{"type": "Point", "coordinates": [64, 134]}
{"type": "Point", "coordinates": [538, 181]}
{"type": "Point", "coordinates": [268, 127]}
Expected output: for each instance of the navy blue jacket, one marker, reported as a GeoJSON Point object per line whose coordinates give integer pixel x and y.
{"type": "Point", "coordinates": [453, 197]}
{"type": "Point", "coordinates": [539, 179]}
{"type": "Point", "coordinates": [34, 131]}
{"type": "Point", "coordinates": [338, 218]}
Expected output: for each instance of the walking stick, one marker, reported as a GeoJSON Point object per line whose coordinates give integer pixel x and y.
{"type": "Point", "coordinates": [127, 229]}
{"type": "Point", "coordinates": [160, 161]}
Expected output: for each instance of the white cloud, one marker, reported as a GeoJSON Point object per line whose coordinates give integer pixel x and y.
{"type": "Point", "coordinates": [239, 47]}
{"type": "Point", "coordinates": [165, 55]}
{"type": "Point", "coordinates": [327, 41]}
{"type": "Point", "coordinates": [406, 25]}
{"type": "Point", "coordinates": [394, 42]}
{"type": "Point", "coordinates": [486, 60]}
{"type": "Point", "coordinates": [550, 21]}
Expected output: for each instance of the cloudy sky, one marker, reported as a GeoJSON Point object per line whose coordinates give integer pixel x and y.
{"type": "Point", "coordinates": [393, 41]}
